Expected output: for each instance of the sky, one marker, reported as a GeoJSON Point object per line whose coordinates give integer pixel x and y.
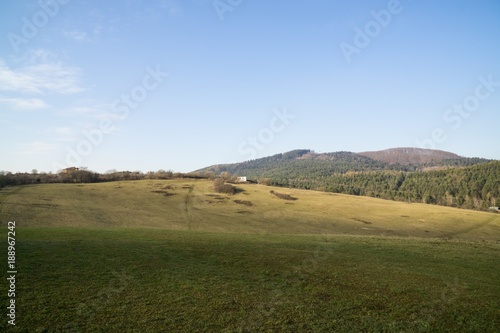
{"type": "Point", "coordinates": [143, 85]}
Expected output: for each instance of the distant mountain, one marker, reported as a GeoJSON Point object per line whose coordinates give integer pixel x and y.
{"type": "Point", "coordinates": [300, 162]}
{"type": "Point", "coordinates": [391, 174]}
{"type": "Point", "coordinates": [409, 155]}
{"type": "Point", "coordinates": [306, 162]}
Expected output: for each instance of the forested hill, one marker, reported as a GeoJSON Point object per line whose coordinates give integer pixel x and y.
{"type": "Point", "coordinates": [299, 163]}
{"type": "Point", "coordinates": [306, 163]}
{"type": "Point", "coordinates": [458, 181]}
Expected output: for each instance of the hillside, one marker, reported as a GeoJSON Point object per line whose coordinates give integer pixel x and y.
{"type": "Point", "coordinates": [193, 205]}
{"type": "Point", "coordinates": [448, 179]}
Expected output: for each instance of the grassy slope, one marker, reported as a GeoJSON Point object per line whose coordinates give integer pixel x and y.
{"type": "Point", "coordinates": [195, 207]}
{"type": "Point", "coordinates": [142, 275]}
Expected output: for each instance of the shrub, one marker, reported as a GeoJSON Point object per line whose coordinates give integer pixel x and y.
{"type": "Point", "coordinates": [282, 196]}
{"type": "Point", "coordinates": [221, 187]}
{"type": "Point", "coordinates": [265, 181]}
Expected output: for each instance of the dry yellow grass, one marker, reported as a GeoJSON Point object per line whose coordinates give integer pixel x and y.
{"type": "Point", "coordinates": [192, 205]}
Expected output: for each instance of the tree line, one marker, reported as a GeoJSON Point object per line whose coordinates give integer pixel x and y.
{"type": "Point", "coordinates": [86, 176]}
{"type": "Point", "coordinates": [473, 187]}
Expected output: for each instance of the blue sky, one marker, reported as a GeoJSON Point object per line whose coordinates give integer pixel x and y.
{"type": "Point", "coordinates": [170, 84]}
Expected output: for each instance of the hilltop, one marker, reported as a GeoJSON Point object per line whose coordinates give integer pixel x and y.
{"type": "Point", "coordinates": [409, 155]}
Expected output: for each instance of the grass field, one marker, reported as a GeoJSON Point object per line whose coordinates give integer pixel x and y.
{"type": "Point", "coordinates": [172, 256]}
{"type": "Point", "coordinates": [192, 205]}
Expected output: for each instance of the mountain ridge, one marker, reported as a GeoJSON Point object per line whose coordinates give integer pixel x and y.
{"type": "Point", "coordinates": [400, 159]}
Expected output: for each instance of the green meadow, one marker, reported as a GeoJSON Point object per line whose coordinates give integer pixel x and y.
{"type": "Point", "coordinates": [174, 256]}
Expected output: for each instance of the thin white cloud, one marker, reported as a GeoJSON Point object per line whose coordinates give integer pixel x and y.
{"type": "Point", "coordinates": [36, 56]}
{"type": "Point", "coordinates": [79, 36]}
{"type": "Point", "coordinates": [63, 134]}
{"type": "Point", "coordinates": [63, 130]}
{"type": "Point", "coordinates": [93, 110]}
{"type": "Point", "coordinates": [41, 78]}
{"type": "Point", "coordinates": [36, 147]}
{"type": "Point", "coordinates": [81, 110]}
{"type": "Point", "coordinates": [24, 103]}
